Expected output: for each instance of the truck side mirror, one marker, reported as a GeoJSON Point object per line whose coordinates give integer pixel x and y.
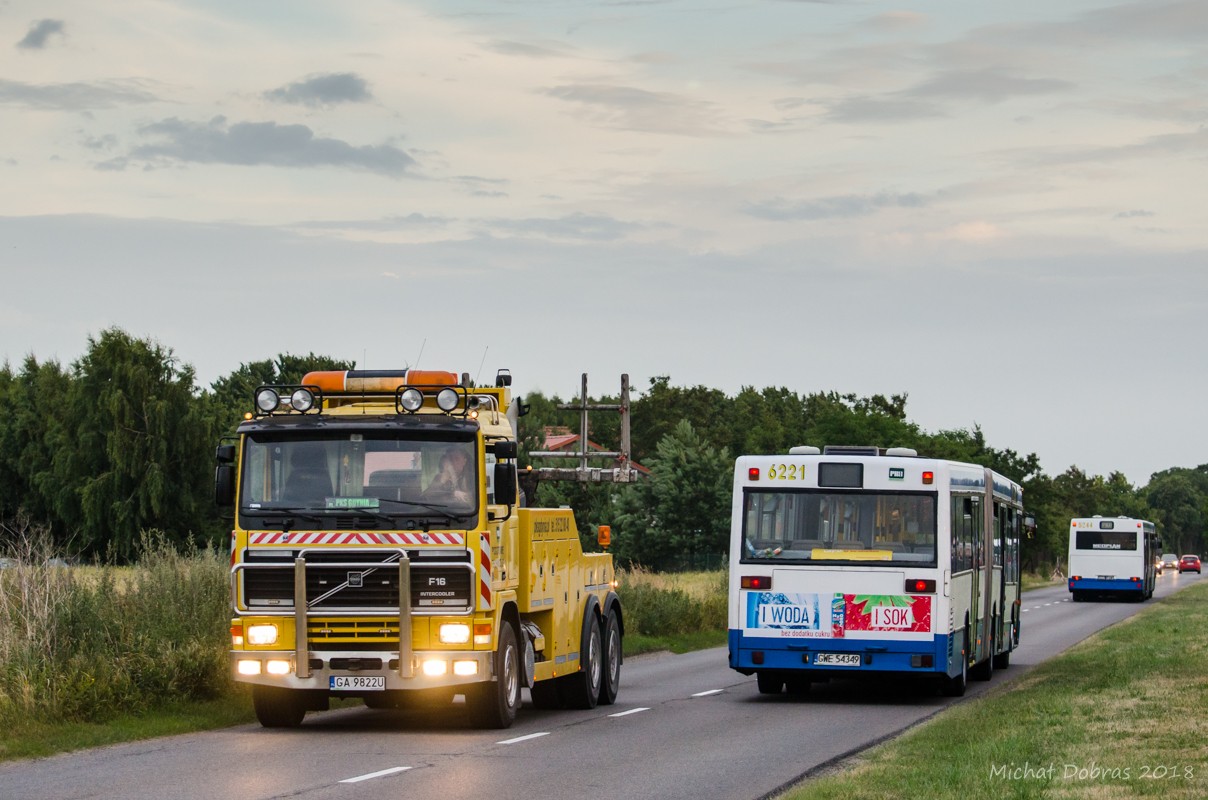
{"type": "Point", "coordinates": [225, 453]}
{"type": "Point", "coordinates": [505, 484]}
{"type": "Point", "coordinates": [605, 536]}
{"type": "Point", "coordinates": [505, 450]}
{"type": "Point", "coordinates": [224, 485]}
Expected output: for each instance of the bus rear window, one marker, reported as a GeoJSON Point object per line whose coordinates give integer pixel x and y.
{"type": "Point", "coordinates": [868, 528]}
{"type": "Point", "coordinates": [1105, 540]}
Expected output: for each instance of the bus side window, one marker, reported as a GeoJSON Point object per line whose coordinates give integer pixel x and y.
{"type": "Point", "coordinates": [977, 541]}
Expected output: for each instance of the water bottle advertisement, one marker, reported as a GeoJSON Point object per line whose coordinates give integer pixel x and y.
{"type": "Point", "coordinates": [833, 615]}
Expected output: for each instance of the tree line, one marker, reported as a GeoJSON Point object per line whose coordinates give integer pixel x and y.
{"type": "Point", "coordinates": [122, 440]}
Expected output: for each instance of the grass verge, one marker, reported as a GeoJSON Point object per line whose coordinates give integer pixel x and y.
{"type": "Point", "coordinates": [1030, 581]}
{"type": "Point", "coordinates": [1123, 714]}
{"type": "Point", "coordinates": [636, 643]}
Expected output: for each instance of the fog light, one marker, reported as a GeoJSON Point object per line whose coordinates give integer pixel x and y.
{"type": "Point", "coordinates": [262, 634]}
{"type": "Point", "coordinates": [277, 667]}
{"type": "Point", "coordinates": [465, 667]}
{"type": "Point", "coordinates": [454, 633]}
{"type": "Point", "coordinates": [436, 667]}
{"type": "Point", "coordinates": [248, 667]}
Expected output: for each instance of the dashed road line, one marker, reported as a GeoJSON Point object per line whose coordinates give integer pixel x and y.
{"type": "Point", "coordinates": [378, 774]}
{"type": "Point", "coordinates": [627, 713]}
{"type": "Point", "coordinates": [524, 738]}
{"type": "Point", "coordinates": [706, 694]}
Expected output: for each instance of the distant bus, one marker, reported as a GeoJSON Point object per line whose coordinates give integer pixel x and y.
{"type": "Point", "coordinates": [1113, 557]}
{"type": "Point", "coordinates": [860, 561]}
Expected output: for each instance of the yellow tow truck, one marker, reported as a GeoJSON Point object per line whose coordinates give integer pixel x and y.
{"type": "Point", "coordinates": [382, 549]}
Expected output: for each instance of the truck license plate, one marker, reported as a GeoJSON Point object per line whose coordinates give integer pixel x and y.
{"type": "Point", "coordinates": [837, 659]}
{"type": "Point", "coordinates": [358, 683]}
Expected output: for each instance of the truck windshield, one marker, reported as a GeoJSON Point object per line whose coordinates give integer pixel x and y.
{"type": "Point", "coordinates": [380, 472]}
{"type": "Point", "coordinates": [868, 528]}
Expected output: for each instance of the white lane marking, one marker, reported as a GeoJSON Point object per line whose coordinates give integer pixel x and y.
{"type": "Point", "coordinates": [1026, 610]}
{"type": "Point", "coordinates": [378, 774]}
{"type": "Point", "coordinates": [524, 738]}
{"type": "Point", "coordinates": [706, 694]}
{"type": "Point", "coordinates": [1046, 605]}
{"type": "Point", "coordinates": [630, 711]}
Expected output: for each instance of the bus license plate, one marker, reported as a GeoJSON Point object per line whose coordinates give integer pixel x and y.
{"type": "Point", "coordinates": [837, 659]}
{"type": "Point", "coordinates": [367, 683]}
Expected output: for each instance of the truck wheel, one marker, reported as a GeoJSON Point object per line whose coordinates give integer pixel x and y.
{"type": "Point", "coordinates": [582, 689]}
{"type": "Point", "coordinates": [769, 682]}
{"type": "Point", "coordinates": [546, 695]}
{"type": "Point", "coordinates": [276, 707]}
{"type": "Point", "coordinates": [496, 702]}
{"type": "Point", "coordinates": [612, 661]}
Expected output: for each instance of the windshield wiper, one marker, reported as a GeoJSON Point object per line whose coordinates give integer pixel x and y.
{"type": "Point", "coordinates": [430, 506]}
{"type": "Point", "coordinates": [290, 510]}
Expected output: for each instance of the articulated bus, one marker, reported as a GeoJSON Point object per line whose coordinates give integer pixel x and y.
{"type": "Point", "coordinates": [1113, 557]}
{"type": "Point", "coordinates": [860, 561]}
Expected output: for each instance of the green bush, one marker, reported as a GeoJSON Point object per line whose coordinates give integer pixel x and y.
{"type": "Point", "coordinates": [84, 644]}
{"type": "Point", "coordinates": [655, 611]}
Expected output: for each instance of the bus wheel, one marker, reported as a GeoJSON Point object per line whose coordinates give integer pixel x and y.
{"type": "Point", "coordinates": [769, 682]}
{"type": "Point", "coordinates": [276, 707]}
{"type": "Point", "coordinates": [1002, 660]}
{"type": "Point", "coordinates": [1078, 595]}
{"type": "Point", "coordinates": [612, 661]}
{"type": "Point", "coordinates": [955, 687]}
{"type": "Point", "coordinates": [582, 689]}
{"type": "Point", "coordinates": [798, 684]}
{"type": "Point", "coordinates": [495, 703]}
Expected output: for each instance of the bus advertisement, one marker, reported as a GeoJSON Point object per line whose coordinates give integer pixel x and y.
{"type": "Point", "coordinates": [866, 561]}
{"type": "Point", "coordinates": [1114, 557]}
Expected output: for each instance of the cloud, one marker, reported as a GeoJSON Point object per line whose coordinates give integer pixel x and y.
{"type": "Point", "coordinates": [988, 85]}
{"type": "Point", "coordinates": [74, 96]}
{"type": "Point", "coordinates": [262, 143]}
{"type": "Point", "coordinates": [589, 227]}
{"type": "Point", "coordinates": [545, 50]}
{"type": "Point", "coordinates": [1166, 144]}
{"type": "Point", "coordinates": [1136, 212]}
{"type": "Point", "coordinates": [887, 108]}
{"type": "Point", "coordinates": [412, 221]}
{"type": "Point", "coordinates": [628, 108]}
{"type": "Point", "coordinates": [848, 205]}
{"type": "Point", "coordinates": [323, 90]}
{"type": "Point", "coordinates": [39, 32]}
{"type": "Point", "coordinates": [894, 21]}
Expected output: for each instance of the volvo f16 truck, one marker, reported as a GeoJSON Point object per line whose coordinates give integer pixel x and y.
{"type": "Point", "coordinates": [382, 550]}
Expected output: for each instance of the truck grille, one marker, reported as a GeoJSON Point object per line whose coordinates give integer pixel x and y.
{"type": "Point", "coordinates": [432, 588]}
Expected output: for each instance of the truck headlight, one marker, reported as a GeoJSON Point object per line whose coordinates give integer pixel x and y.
{"type": "Point", "coordinates": [411, 400]}
{"type": "Point", "coordinates": [301, 400]}
{"type": "Point", "coordinates": [248, 667]}
{"type": "Point", "coordinates": [447, 399]}
{"type": "Point", "coordinates": [267, 400]}
{"type": "Point", "coordinates": [454, 633]}
{"type": "Point", "coordinates": [262, 634]}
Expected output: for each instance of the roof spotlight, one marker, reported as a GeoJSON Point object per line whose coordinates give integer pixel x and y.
{"type": "Point", "coordinates": [447, 399]}
{"type": "Point", "coordinates": [411, 400]}
{"type": "Point", "coordinates": [302, 400]}
{"type": "Point", "coordinates": [267, 400]}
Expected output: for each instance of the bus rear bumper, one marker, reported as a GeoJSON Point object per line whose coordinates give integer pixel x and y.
{"type": "Point", "coordinates": [752, 654]}
{"type": "Point", "coordinates": [1106, 585]}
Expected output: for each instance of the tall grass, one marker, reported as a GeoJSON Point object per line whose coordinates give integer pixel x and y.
{"type": "Point", "coordinates": [85, 644]}
{"type": "Point", "coordinates": [668, 604]}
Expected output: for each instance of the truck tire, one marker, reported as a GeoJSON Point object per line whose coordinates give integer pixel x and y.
{"type": "Point", "coordinates": [769, 682]}
{"type": "Point", "coordinates": [611, 681]}
{"type": "Point", "coordinates": [276, 707]}
{"type": "Point", "coordinates": [496, 702]}
{"type": "Point", "coordinates": [582, 689]}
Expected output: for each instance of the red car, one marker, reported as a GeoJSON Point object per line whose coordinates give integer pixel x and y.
{"type": "Point", "coordinates": [1189, 563]}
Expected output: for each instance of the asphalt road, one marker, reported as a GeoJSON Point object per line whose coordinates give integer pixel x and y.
{"type": "Point", "coordinates": [683, 727]}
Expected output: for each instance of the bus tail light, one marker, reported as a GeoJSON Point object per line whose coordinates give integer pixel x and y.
{"type": "Point", "coordinates": [1076, 578]}
{"type": "Point", "coordinates": [919, 586]}
{"type": "Point", "coordinates": [1136, 580]}
{"type": "Point", "coordinates": [928, 477]}
{"type": "Point", "coordinates": [753, 474]}
{"type": "Point", "coordinates": [760, 582]}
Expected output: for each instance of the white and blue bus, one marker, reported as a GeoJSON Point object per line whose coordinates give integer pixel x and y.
{"type": "Point", "coordinates": [1113, 557]}
{"type": "Point", "coordinates": [858, 560]}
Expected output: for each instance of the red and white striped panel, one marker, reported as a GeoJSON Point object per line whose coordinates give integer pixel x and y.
{"type": "Point", "coordinates": [484, 571]}
{"type": "Point", "coordinates": [294, 538]}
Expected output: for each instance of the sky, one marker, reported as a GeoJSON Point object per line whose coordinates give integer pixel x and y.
{"type": "Point", "coordinates": [995, 208]}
